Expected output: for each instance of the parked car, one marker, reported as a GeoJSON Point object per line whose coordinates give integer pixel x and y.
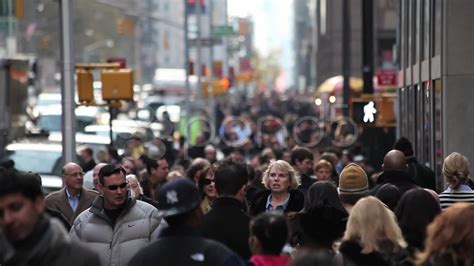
{"type": "Point", "coordinates": [50, 119]}
{"type": "Point", "coordinates": [40, 157]}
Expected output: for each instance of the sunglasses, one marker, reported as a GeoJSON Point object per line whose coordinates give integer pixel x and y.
{"type": "Point", "coordinates": [115, 187]}
{"type": "Point", "coordinates": [207, 181]}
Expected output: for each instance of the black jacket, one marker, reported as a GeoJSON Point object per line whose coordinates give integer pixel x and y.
{"type": "Point", "coordinates": [400, 179]}
{"type": "Point", "coordinates": [421, 175]}
{"type": "Point", "coordinates": [295, 204]}
{"type": "Point", "coordinates": [306, 182]}
{"type": "Point", "coordinates": [183, 246]}
{"type": "Point", "coordinates": [48, 245]}
{"type": "Point", "coordinates": [148, 200]}
{"type": "Point", "coordinates": [227, 223]}
{"type": "Point", "coordinates": [352, 256]}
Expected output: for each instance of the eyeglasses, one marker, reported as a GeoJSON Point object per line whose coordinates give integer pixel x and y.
{"type": "Point", "coordinates": [115, 187]}
{"type": "Point", "coordinates": [208, 181]}
{"type": "Point", "coordinates": [75, 174]}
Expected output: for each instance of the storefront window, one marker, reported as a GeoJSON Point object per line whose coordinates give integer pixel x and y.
{"type": "Point", "coordinates": [438, 134]}
{"type": "Point", "coordinates": [426, 29]}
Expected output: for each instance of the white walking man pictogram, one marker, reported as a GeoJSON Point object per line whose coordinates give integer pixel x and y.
{"type": "Point", "coordinates": [369, 112]}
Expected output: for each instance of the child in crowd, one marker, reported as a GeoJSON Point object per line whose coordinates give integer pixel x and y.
{"type": "Point", "coordinates": [268, 235]}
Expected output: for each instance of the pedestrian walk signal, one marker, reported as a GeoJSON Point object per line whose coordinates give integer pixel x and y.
{"type": "Point", "coordinates": [364, 112]}
{"type": "Point", "coordinates": [374, 110]}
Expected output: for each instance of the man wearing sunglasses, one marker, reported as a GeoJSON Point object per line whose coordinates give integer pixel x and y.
{"type": "Point", "coordinates": [116, 226]}
{"type": "Point", "coordinates": [73, 198]}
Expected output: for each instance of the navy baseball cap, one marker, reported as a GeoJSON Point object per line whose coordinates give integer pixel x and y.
{"type": "Point", "coordinates": [178, 196]}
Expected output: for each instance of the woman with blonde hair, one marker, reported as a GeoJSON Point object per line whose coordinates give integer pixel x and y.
{"type": "Point", "coordinates": [281, 194]}
{"type": "Point", "coordinates": [456, 172]}
{"type": "Point", "coordinates": [450, 238]}
{"type": "Point", "coordinates": [372, 236]}
{"type": "Point", "coordinates": [136, 191]}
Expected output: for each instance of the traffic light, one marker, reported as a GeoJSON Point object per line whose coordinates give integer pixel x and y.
{"type": "Point", "coordinates": [225, 83]}
{"type": "Point", "coordinates": [120, 26]}
{"type": "Point", "coordinates": [85, 90]}
{"type": "Point", "coordinates": [19, 9]}
{"type": "Point", "coordinates": [219, 87]}
{"type": "Point", "coordinates": [374, 110]}
{"type": "Point", "coordinates": [117, 84]}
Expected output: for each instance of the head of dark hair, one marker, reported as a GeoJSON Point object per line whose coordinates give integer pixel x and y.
{"type": "Point", "coordinates": [26, 183]}
{"type": "Point", "coordinates": [352, 198]}
{"type": "Point", "coordinates": [323, 193]}
{"type": "Point", "coordinates": [404, 145]}
{"type": "Point", "coordinates": [196, 166]}
{"type": "Point", "coordinates": [230, 176]}
{"type": "Point", "coordinates": [415, 211]}
{"type": "Point", "coordinates": [300, 154]}
{"type": "Point", "coordinates": [9, 164]}
{"type": "Point", "coordinates": [150, 163]}
{"type": "Point", "coordinates": [108, 170]}
{"type": "Point", "coordinates": [271, 229]}
{"type": "Point", "coordinates": [389, 194]}
{"type": "Point", "coordinates": [88, 151]}
{"type": "Point", "coordinates": [112, 151]}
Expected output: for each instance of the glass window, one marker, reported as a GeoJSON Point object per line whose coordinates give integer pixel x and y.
{"type": "Point", "coordinates": [416, 38]}
{"type": "Point", "coordinates": [438, 134]}
{"type": "Point", "coordinates": [409, 32]}
{"type": "Point", "coordinates": [426, 29]}
{"type": "Point", "coordinates": [427, 125]}
{"type": "Point", "coordinates": [401, 111]}
{"type": "Point", "coordinates": [419, 124]}
{"type": "Point", "coordinates": [410, 117]}
{"type": "Point", "coordinates": [436, 27]}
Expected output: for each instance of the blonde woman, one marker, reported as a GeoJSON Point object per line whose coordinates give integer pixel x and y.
{"type": "Point", "coordinates": [456, 172]}
{"type": "Point", "coordinates": [449, 239]}
{"type": "Point", "coordinates": [372, 236]}
{"type": "Point", "coordinates": [281, 194]}
{"type": "Point", "coordinates": [136, 191]}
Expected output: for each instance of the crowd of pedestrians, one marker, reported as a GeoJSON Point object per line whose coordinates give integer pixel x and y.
{"type": "Point", "coordinates": [276, 208]}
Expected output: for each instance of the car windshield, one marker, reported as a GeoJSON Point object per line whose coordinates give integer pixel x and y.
{"type": "Point", "coordinates": [38, 161]}
{"type": "Point", "coordinates": [52, 123]}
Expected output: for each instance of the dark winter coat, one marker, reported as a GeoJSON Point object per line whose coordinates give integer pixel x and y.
{"type": "Point", "coordinates": [321, 226]}
{"type": "Point", "coordinates": [183, 246]}
{"type": "Point", "coordinates": [421, 175]}
{"type": "Point", "coordinates": [48, 245]}
{"type": "Point", "coordinates": [295, 204]}
{"type": "Point", "coordinates": [352, 256]}
{"type": "Point", "coordinates": [306, 182]}
{"type": "Point", "coordinates": [400, 179]}
{"type": "Point", "coordinates": [227, 223]}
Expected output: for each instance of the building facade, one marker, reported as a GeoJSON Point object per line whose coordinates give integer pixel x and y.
{"type": "Point", "coordinates": [436, 75]}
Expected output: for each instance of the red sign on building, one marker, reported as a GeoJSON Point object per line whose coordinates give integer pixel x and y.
{"type": "Point", "coordinates": [387, 77]}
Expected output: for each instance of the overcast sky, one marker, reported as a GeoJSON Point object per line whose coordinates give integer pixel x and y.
{"type": "Point", "coordinates": [273, 27]}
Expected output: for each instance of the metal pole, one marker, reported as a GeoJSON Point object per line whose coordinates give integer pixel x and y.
{"type": "Point", "coordinates": [225, 61]}
{"type": "Point", "coordinates": [67, 82]}
{"type": "Point", "coordinates": [346, 55]}
{"type": "Point", "coordinates": [212, 100]}
{"type": "Point", "coordinates": [368, 45]}
{"type": "Point", "coordinates": [111, 130]}
{"type": "Point", "coordinates": [198, 47]}
{"type": "Point", "coordinates": [186, 68]}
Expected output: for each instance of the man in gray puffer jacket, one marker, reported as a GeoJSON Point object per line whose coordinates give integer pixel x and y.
{"type": "Point", "coordinates": [116, 226]}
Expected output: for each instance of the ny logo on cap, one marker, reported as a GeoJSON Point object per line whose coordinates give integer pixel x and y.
{"type": "Point", "coordinates": [171, 197]}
